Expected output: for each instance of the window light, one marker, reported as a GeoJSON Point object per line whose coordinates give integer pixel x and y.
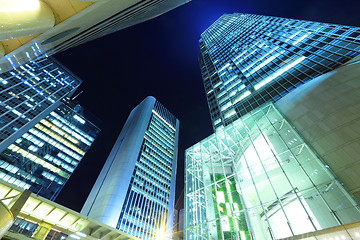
{"type": "Point", "coordinates": [82, 121]}
{"type": "Point", "coordinates": [278, 73]}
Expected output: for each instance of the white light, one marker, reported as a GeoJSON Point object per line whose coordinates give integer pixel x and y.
{"type": "Point", "coordinates": [160, 235]}
{"type": "Point", "coordinates": [225, 224]}
{"type": "Point", "coordinates": [230, 113]}
{"type": "Point", "coordinates": [270, 59]}
{"type": "Point", "coordinates": [278, 73]}
{"type": "Point", "coordinates": [259, 60]}
{"type": "Point", "coordinates": [81, 234]}
{"type": "Point", "coordinates": [82, 121]}
{"type": "Point", "coordinates": [225, 66]}
{"type": "Point", "coordinates": [226, 106]}
{"type": "Point", "coordinates": [33, 148]}
{"type": "Point", "coordinates": [18, 5]}
{"type": "Point", "coordinates": [242, 96]}
{"type": "Point", "coordinates": [242, 235]}
{"type": "Point", "coordinates": [163, 120]}
{"type": "Point", "coordinates": [220, 197]}
{"type": "Point", "coordinates": [301, 38]}
{"type": "Point", "coordinates": [229, 80]}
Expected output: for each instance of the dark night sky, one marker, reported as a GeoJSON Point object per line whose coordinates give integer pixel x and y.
{"type": "Point", "coordinates": [159, 58]}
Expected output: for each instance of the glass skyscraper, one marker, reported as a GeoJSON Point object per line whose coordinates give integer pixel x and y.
{"type": "Point", "coordinates": [44, 157]}
{"type": "Point", "coordinates": [136, 188]}
{"type": "Point", "coordinates": [257, 177]}
{"type": "Point", "coordinates": [247, 60]}
{"type": "Point", "coordinates": [44, 135]}
{"type": "Point", "coordinates": [31, 92]}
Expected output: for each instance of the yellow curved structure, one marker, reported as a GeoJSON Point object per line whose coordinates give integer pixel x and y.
{"type": "Point", "coordinates": [20, 18]}
{"type": "Point", "coordinates": [2, 50]}
{"type": "Point", "coordinates": [6, 219]}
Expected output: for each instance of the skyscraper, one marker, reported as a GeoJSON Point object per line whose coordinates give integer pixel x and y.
{"type": "Point", "coordinates": [33, 29]}
{"type": "Point", "coordinates": [136, 188]}
{"type": "Point", "coordinates": [29, 93]}
{"type": "Point", "coordinates": [283, 96]}
{"type": "Point", "coordinates": [247, 60]}
{"type": "Point", "coordinates": [43, 134]}
{"type": "Point", "coordinates": [44, 157]}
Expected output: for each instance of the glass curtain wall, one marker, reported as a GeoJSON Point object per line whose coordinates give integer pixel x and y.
{"type": "Point", "coordinates": [147, 200]}
{"type": "Point", "coordinates": [247, 60]}
{"type": "Point", "coordinates": [44, 158]}
{"type": "Point", "coordinates": [258, 179]}
{"type": "Point", "coordinates": [27, 91]}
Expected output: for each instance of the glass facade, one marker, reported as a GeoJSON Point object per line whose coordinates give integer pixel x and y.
{"type": "Point", "coordinates": [27, 91]}
{"type": "Point", "coordinates": [43, 136]}
{"type": "Point", "coordinates": [44, 157]}
{"type": "Point", "coordinates": [146, 206]}
{"type": "Point", "coordinates": [247, 60]}
{"type": "Point", "coordinates": [257, 179]}
{"type": "Point", "coordinates": [35, 230]}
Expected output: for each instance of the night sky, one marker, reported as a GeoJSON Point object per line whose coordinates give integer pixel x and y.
{"type": "Point", "coordinates": [159, 58]}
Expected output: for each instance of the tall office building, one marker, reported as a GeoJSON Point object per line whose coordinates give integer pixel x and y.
{"type": "Point", "coordinates": [283, 161]}
{"type": "Point", "coordinates": [29, 93]}
{"type": "Point", "coordinates": [247, 60]}
{"type": "Point", "coordinates": [33, 29]}
{"type": "Point", "coordinates": [43, 136]}
{"type": "Point", "coordinates": [136, 188]}
{"type": "Point", "coordinates": [44, 157]}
